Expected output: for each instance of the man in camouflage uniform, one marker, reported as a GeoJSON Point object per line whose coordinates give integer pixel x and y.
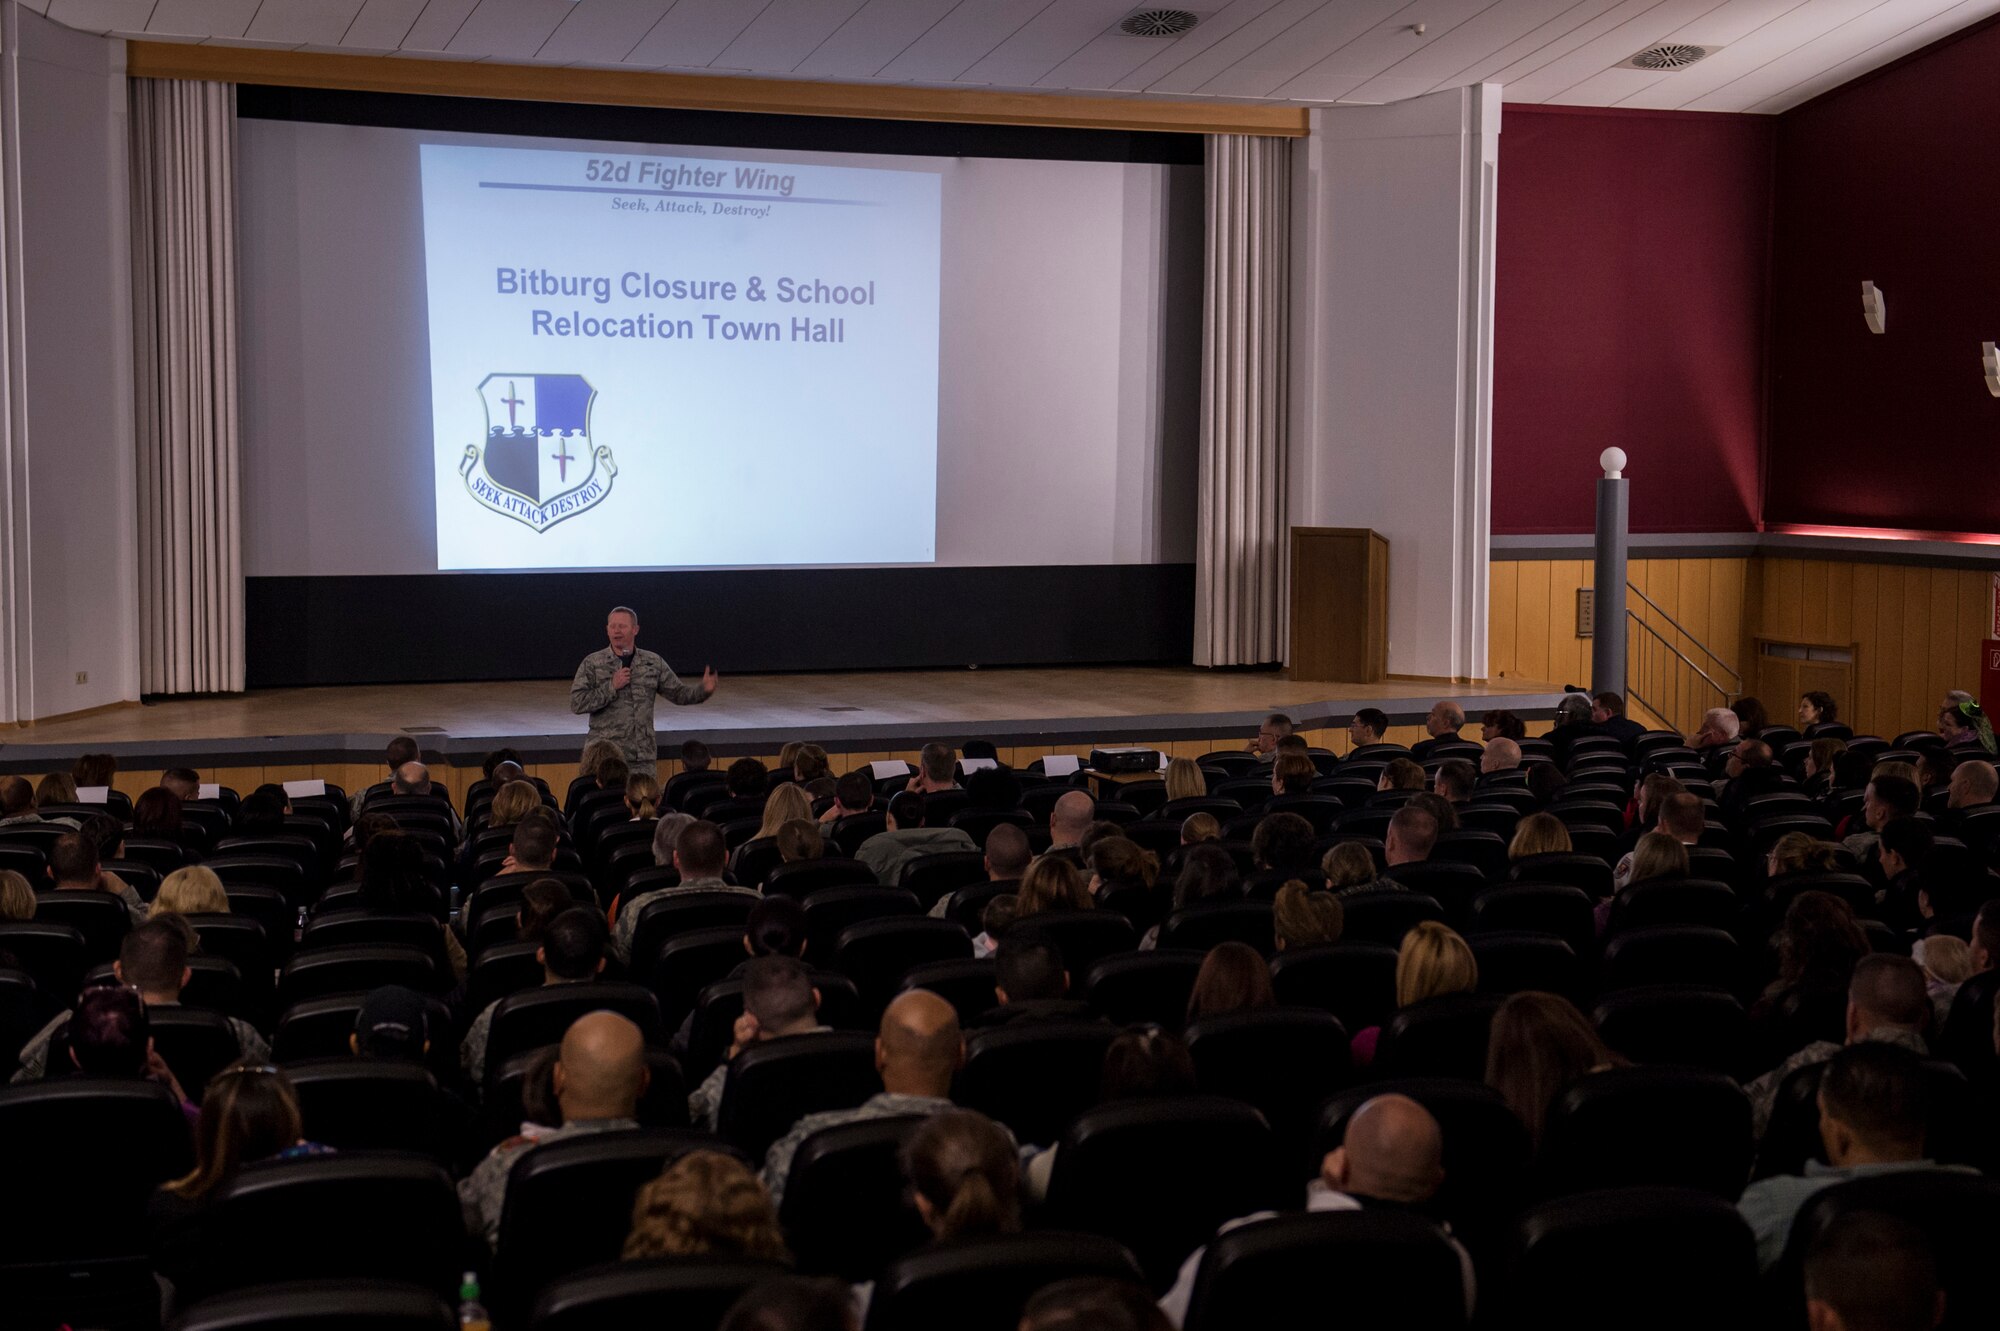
{"type": "Point", "coordinates": [615, 688]}
{"type": "Point", "coordinates": [600, 1074]}
{"type": "Point", "coordinates": [1888, 1001]}
{"type": "Point", "coordinates": [918, 1050]}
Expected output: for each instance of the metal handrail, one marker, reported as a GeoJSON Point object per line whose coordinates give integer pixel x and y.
{"type": "Point", "coordinates": [1681, 629]}
{"type": "Point", "coordinates": [1683, 656]}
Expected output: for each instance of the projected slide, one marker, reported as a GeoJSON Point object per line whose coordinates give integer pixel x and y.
{"type": "Point", "coordinates": [655, 359]}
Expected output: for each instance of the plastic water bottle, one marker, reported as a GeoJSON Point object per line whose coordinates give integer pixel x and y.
{"type": "Point", "coordinates": [471, 1312]}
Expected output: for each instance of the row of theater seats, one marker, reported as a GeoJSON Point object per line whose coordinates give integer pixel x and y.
{"type": "Point", "coordinates": [1649, 1239]}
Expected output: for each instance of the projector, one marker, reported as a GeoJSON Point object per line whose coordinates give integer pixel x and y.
{"type": "Point", "coordinates": [1120, 761]}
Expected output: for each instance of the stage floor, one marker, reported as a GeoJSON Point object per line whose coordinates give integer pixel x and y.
{"type": "Point", "coordinates": [755, 713]}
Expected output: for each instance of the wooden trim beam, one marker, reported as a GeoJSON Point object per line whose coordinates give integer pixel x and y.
{"type": "Point", "coordinates": [618, 87]}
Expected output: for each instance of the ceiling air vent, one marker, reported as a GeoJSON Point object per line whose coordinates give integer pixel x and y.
{"type": "Point", "coordinates": [1668, 55]}
{"type": "Point", "coordinates": [1158, 23]}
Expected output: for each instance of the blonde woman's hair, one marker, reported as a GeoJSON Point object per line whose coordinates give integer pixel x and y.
{"type": "Point", "coordinates": [705, 1204]}
{"type": "Point", "coordinates": [1802, 852]}
{"type": "Point", "coordinates": [1433, 960]}
{"type": "Point", "coordinates": [1184, 780]}
{"type": "Point", "coordinates": [1302, 917]}
{"type": "Point", "coordinates": [194, 890]}
{"type": "Point", "coordinates": [1199, 827]}
{"type": "Point", "coordinates": [1540, 834]}
{"type": "Point", "coordinates": [789, 755]}
{"type": "Point", "coordinates": [1658, 855]}
{"type": "Point", "coordinates": [1348, 865]}
{"type": "Point", "coordinates": [56, 788]}
{"type": "Point", "coordinates": [514, 801]}
{"type": "Point", "coordinates": [1946, 958]}
{"type": "Point", "coordinates": [642, 795]}
{"type": "Point", "coordinates": [1052, 883]}
{"type": "Point", "coordinates": [249, 1113]}
{"type": "Point", "coordinates": [787, 803]}
{"type": "Point", "coordinates": [594, 754]}
{"type": "Point", "coordinates": [17, 899]}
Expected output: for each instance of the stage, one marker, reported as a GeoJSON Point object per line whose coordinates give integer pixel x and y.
{"type": "Point", "coordinates": [862, 713]}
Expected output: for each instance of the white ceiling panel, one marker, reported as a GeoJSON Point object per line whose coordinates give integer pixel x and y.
{"type": "Point", "coordinates": [786, 33]}
{"type": "Point", "coordinates": [1352, 64]}
{"type": "Point", "coordinates": [202, 18]}
{"type": "Point", "coordinates": [961, 39]}
{"type": "Point", "coordinates": [297, 22]}
{"type": "Point", "coordinates": [871, 37]}
{"type": "Point", "coordinates": [436, 24]}
{"type": "Point", "coordinates": [1773, 53]}
{"type": "Point", "coordinates": [509, 29]}
{"type": "Point", "coordinates": [382, 24]}
{"type": "Point", "coordinates": [102, 15]}
{"type": "Point", "coordinates": [1047, 40]}
{"type": "Point", "coordinates": [601, 32]}
{"type": "Point", "coordinates": [695, 32]}
{"type": "Point", "coordinates": [1895, 48]}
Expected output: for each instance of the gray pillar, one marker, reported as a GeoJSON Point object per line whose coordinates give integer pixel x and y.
{"type": "Point", "coordinates": [1607, 643]}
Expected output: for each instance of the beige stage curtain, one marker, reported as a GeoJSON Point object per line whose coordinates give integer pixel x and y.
{"type": "Point", "coordinates": [1240, 533]}
{"type": "Point", "coordinates": [184, 316]}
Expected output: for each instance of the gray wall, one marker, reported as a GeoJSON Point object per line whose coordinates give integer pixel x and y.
{"type": "Point", "coordinates": [69, 369]}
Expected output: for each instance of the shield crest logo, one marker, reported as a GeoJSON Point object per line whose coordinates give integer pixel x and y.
{"type": "Point", "coordinates": [538, 464]}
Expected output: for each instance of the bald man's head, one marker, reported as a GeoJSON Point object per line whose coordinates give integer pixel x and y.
{"type": "Point", "coordinates": [1393, 1152]}
{"type": "Point", "coordinates": [601, 1069]}
{"type": "Point", "coordinates": [412, 778]}
{"type": "Point", "coordinates": [1071, 818]}
{"type": "Point", "coordinates": [1502, 755]}
{"type": "Point", "coordinates": [919, 1047]}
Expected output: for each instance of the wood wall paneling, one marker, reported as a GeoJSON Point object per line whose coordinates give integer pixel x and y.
{"type": "Point", "coordinates": [617, 87]}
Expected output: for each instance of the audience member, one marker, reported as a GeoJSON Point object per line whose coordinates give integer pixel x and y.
{"type": "Point", "coordinates": [1947, 963]}
{"type": "Point", "coordinates": [1123, 878]}
{"type": "Point", "coordinates": [1273, 728]}
{"type": "Point", "coordinates": [1068, 821]}
{"type": "Point", "coordinates": [963, 1172]}
{"type": "Point", "coordinates": [1292, 774]}
{"type": "Point", "coordinates": [1538, 1045]}
{"type": "Point", "coordinates": [779, 1000]}
{"type": "Point", "coordinates": [642, 796]}
{"type": "Point", "coordinates": [1539, 834]}
{"type": "Point", "coordinates": [1456, 778]}
{"type": "Point", "coordinates": [183, 783]}
{"type": "Point", "coordinates": [1751, 717]}
{"type": "Point", "coordinates": [249, 1114]}
{"type": "Point", "coordinates": [1718, 731]}
{"type": "Point", "coordinates": [17, 899]}
{"type": "Point", "coordinates": [706, 1204]}
{"type": "Point", "coordinates": [1657, 855]}
{"type": "Point", "coordinates": [1350, 869]}
{"type": "Point", "coordinates": [1412, 833]}
{"type": "Point", "coordinates": [799, 840]}
{"type": "Point", "coordinates": [937, 769]}
{"type": "Point", "coordinates": [74, 866]}
{"type": "Point", "coordinates": [1442, 724]}
{"type": "Point", "coordinates": [402, 749]}
{"type": "Point", "coordinates": [1571, 724]}
{"type": "Point", "coordinates": [1432, 961]}
{"type": "Point", "coordinates": [1872, 1272]}
{"type": "Point", "coordinates": [699, 857]}
{"type": "Point", "coordinates": [1502, 724]}
{"type": "Point", "coordinates": [190, 890]}
{"type": "Point", "coordinates": [111, 1037]}
{"type": "Point", "coordinates": [793, 1303]}
{"type": "Point", "coordinates": [1030, 984]}
{"type": "Point", "coordinates": [1817, 708]}
{"type": "Point", "coordinates": [1052, 884]}
{"type": "Point", "coordinates": [152, 963]}
{"type": "Point", "coordinates": [1093, 1303]}
{"type": "Point", "coordinates": [1304, 917]}
{"type": "Point", "coordinates": [667, 834]}
{"type": "Point", "coordinates": [888, 853]}
{"type": "Point", "coordinates": [1964, 726]}
{"type": "Point", "coordinates": [1184, 780]}
{"type": "Point", "coordinates": [918, 1051]}
{"type": "Point", "coordinates": [1608, 715]}
{"type": "Point", "coordinates": [1873, 1103]}
{"type": "Point", "coordinates": [853, 795]}
{"type": "Point", "coordinates": [1501, 755]}
{"type": "Point", "coordinates": [1974, 783]}
{"type": "Point", "coordinates": [599, 1076]}
{"type": "Point", "coordinates": [1233, 978]}
{"type": "Point", "coordinates": [572, 952]}
{"type": "Point", "coordinates": [1400, 774]}
{"type": "Point", "coordinates": [1822, 762]}
{"type": "Point", "coordinates": [787, 804]}
{"type": "Point", "coordinates": [1281, 847]}
{"type": "Point", "coordinates": [1817, 948]}
{"type": "Point", "coordinates": [1887, 1001]}
{"type": "Point", "coordinates": [393, 1022]}
{"type": "Point", "coordinates": [1887, 798]}
{"type": "Point", "coordinates": [1391, 1159]}
{"type": "Point", "coordinates": [1367, 727]}
{"type": "Point", "coordinates": [1199, 827]}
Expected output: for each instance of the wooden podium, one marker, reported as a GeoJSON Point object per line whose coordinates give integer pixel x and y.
{"type": "Point", "coordinates": [1340, 604]}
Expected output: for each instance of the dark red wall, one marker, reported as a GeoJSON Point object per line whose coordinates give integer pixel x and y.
{"type": "Point", "coordinates": [1630, 310]}
{"type": "Point", "coordinates": [1893, 179]}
